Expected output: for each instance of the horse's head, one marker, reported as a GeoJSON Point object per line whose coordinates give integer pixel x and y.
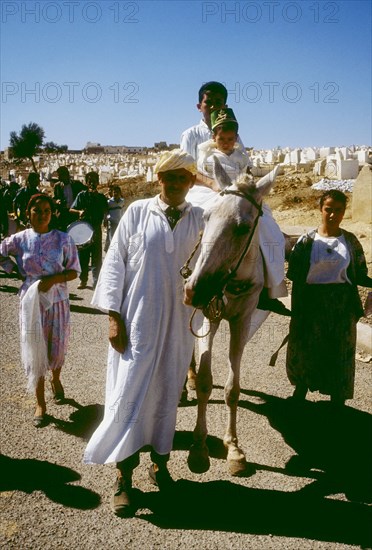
{"type": "Point", "coordinates": [230, 222]}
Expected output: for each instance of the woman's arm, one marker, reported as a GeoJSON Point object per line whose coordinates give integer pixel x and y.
{"type": "Point", "coordinates": [48, 281]}
{"type": "Point", "coordinates": [361, 270]}
{"type": "Point", "coordinates": [8, 248]}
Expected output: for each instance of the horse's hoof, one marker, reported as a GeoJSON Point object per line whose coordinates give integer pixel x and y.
{"type": "Point", "coordinates": [198, 459]}
{"type": "Point", "coordinates": [237, 468]}
{"type": "Point", "coordinates": [236, 462]}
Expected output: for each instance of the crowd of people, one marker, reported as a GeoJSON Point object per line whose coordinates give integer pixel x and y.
{"type": "Point", "coordinates": [145, 248]}
{"type": "Point", "coordinates": [74, 202]}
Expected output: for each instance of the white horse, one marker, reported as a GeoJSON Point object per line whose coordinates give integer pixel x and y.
{"type": "Point", "coordinates": [226, 282]}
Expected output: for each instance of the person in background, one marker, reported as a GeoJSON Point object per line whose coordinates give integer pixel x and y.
{"type": "Point", "coordinates": [141, 288]}
{"type": "Point", "coordinates": [7, 215]}
{"type": "Point", "coordinates": [326, 265]}
{"type": "Point", "coordinates": [115, 211]}
{"type": "Point", "coordinates": [45, 260]}
{"type": "Point", "coordinates": [213, 98]}
{"type": "Point", "coordinates": [9, 195]}
{"type": "Point", "coordinates": [65, 191]}
{"type": "Point", "coordinates": [91, 206]}
{"type": "Point", "coordinates": [23, 196]}
{"type": "Point", "coordinates": [4, 220]}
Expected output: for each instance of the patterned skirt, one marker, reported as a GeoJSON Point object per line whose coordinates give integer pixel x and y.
{"type": "Point", "coordinates": [56, 329]}
{"type": "Point", "coordinates": [322, 340]}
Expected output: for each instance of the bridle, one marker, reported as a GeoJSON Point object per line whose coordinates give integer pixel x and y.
{"type": "Point", "coordinates": [215, 308]}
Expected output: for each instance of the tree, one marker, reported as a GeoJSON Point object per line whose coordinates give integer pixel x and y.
{"type": "Point", "coordinates": [51, 147]}
{"type": "Point", "coordinates": [28, 142]}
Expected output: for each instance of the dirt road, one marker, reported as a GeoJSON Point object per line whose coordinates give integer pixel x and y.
{"type": "Point", "coordinates": [308, 484]}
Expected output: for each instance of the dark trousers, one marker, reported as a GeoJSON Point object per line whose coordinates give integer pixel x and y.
{"type": "Point", "coordinates": [127, 465]}
{"type": "Point", "coordinates": [92, 252]}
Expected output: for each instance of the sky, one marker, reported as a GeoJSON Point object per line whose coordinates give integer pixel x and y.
{"type": "Point", "coordinates": [128, 73]}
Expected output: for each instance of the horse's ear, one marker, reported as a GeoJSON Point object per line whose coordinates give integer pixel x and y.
{"type": "Point", "coordinates": [219, 174]}
{"type": "Point", "coordinates": [265, 184]}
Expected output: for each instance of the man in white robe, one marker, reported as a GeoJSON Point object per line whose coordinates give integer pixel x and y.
{"type": "Point", "coordinates": [150, 343]}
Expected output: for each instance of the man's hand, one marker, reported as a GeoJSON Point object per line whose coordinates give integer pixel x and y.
{"type": "Point", "coordinates": [117, 332]}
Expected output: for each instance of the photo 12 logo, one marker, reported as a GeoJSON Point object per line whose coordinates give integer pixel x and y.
{"type": "Point", "coordinates": [289, 92]}
{"type": "Point", "coordinates": [69, 92]}
{"type": "Point", "coordinates": [70, 12]}
{"type": "Point", "coordinates": [270, 12]}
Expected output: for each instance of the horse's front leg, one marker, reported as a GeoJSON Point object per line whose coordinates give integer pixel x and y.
{"type": "Point", "coordinates": [198, 459]}
{"type": "Point", "coordinates": [235, 456]}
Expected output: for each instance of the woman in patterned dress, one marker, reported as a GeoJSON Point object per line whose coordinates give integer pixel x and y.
{"type": "Point", "coordinates": [326, 265]}
{"type": "Point", "coordinates": [50, 257]}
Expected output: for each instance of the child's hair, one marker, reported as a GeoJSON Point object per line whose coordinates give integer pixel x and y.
{"type": "Point", "coordinates": [215, 87]}
{"type": "Point", "coordinates": [226, 127]}
{"type": "Point", "coordinates": [334, 194]}
{"type": "Point", "coordinates": [116, 188]}
{"type": "Point", "coordinates": [40, 197]}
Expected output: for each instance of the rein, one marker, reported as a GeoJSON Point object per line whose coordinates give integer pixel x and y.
{"type": "Point", "coordinates": [248, 244]}
{"type": "Point", "coordinates": [216, 306]}
{"type": "Point", "coordinates": [185, 271]}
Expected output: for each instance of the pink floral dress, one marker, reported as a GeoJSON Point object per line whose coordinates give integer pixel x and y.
{"type": "Point", "coordinates": [38, 255]}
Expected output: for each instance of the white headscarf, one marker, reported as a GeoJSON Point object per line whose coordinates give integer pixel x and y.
{"type": "Point", "coordinates": [174, 160]}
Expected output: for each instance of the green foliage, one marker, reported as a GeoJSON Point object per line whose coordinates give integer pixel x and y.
{"type": "Point", "coordinates": [28, 142]}
{"type": "Point", "coordinates": [51, 147]}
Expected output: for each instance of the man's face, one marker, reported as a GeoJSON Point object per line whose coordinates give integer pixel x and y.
{"type": "Point", "coordinates": [175, 185]}
{"type": "Point", "coordinates": [210, 102]}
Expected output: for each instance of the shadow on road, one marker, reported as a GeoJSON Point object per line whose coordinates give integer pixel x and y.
{"type": "Point", "coordinates": [333, 445]}
{"type": "Point", "coordinates": [225, 506]}
{"type": "Point", "coordinates": [83, 421]}
{"type": "Point", "coordinates": [30, 475]}
{"type": "Point", "coordinates": [8, 288]}
{"type": "Point", "coordinates": [85, 309]}
{"type": "Point", "coordinates": [333, 450]}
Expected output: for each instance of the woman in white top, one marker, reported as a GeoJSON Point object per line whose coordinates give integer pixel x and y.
{"type": "Point", "coordinates": [326, 265]}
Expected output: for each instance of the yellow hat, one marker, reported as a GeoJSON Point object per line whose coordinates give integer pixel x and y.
{"type": "Point", "coordinates": [174, 160]}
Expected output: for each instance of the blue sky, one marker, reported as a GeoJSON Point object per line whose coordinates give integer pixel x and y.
{"type": "Point", "coordinates": [127, 73]}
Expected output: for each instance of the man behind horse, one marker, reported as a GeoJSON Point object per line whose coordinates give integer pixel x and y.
{"type": "Point", "coordinates": [212, 97]}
